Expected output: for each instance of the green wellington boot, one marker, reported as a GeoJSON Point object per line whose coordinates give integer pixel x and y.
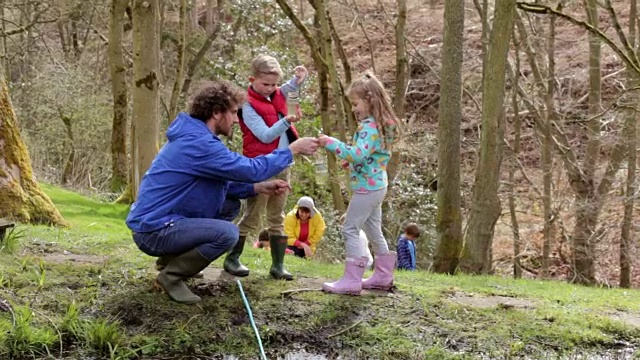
{"type": "Point", "coordinates": [232, 263]}
{"type": "Point", "coordinates": [162, 261]}
{"type": "Point", "coordinates": [278, 245]}
{"type": "Point", "coordinates": [183, 266]}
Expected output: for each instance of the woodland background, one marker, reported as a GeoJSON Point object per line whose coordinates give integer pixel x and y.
{"type": "Point", "coordinates": [517, 118]}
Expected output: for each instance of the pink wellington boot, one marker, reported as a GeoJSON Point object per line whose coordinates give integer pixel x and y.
{"type": "Point", "coordinates": [382, 278]}
{"type": "Point", "coordinates": [351, 282]}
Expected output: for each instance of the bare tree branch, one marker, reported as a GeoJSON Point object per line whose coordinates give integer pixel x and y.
{"type": "Point", "coordinates": [630, 59]}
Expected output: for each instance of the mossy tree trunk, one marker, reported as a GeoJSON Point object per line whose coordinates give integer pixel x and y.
{"type": "Point", "coordinates": [117, 69]}
{"type": "Point", "coordinates": [20, 195]}
{"type": "Point", "coordinates": [485, 206]}
{"type": "Point", "coordinates": [145, 90]}
{"type": "Point", "coordinates": [449, 217]}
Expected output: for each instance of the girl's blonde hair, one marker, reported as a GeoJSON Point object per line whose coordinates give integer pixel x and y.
{"type": "Point", "coordinates": [371, 90]}
{"type": "Point", "coordinates": [265, 65]}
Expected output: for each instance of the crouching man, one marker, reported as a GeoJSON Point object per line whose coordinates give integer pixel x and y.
{"type": "Point", "coordinates": [192, 191]}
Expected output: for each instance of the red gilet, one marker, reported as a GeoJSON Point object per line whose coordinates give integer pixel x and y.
{"type": "Point", "coordinates": [268, 110]}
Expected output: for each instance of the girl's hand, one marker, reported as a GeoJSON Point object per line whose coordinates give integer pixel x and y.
{"type": "Point", "coordinates": [344, 164]}
{"type": "Point", "coordinates": [323, 140]}
{"type": "Point", "coordinates": [301, 73]}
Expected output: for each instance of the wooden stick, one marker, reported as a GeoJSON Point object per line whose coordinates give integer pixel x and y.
{"type": "Point", "coordinates": [347, 329]}
{"type": "Point", "coordinates": [289, 292]}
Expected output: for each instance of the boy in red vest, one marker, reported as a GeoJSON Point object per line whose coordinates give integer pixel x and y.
{"type": "Point", "coordinates": [266, 126]}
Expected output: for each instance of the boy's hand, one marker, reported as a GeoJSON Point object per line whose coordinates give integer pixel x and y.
{"type": "Point", "coordinates": [292, 118]}
{"type": "Point", "coordinates": [301, 73]}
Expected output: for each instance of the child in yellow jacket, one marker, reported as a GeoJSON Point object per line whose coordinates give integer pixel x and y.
{"type": "Point", "coordinates": [304, 227]}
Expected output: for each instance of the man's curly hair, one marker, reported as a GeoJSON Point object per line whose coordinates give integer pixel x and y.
{"type": "Point", "coordinates": [215, 97]}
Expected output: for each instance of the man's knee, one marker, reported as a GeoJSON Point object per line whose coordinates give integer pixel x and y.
{"type": "Point", "coordinates": [231, 235]}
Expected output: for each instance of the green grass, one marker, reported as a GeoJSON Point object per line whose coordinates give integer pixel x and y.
{"type": "Point", "coordinates": [105, 308]}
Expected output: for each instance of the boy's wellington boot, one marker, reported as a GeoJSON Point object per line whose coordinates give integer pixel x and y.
{"type": "Point", "coordinates": [182, 266]}
{"type": "Point", "coordinates": [351, 281]}
{"type": "Point", "coordinates": [232, 263]}
{"type": "Point", "coordinates": [382, 278]}
{"type": "Point", "coordinates": [278, 245]}
{"type": "Point", "coordinates": [162, 261]}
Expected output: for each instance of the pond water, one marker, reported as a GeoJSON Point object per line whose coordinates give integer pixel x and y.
{"type": "Point", "coordinates": [298, 355]}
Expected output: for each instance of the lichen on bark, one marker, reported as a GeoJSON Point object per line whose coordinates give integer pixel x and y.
{"type": "Point", "coordinates": [21, 197]}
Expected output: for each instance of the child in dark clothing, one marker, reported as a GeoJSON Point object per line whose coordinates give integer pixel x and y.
{"type": "Point", "coordinates": [406, 247]}
{"type": "Point", "coordinates": [263, 240]}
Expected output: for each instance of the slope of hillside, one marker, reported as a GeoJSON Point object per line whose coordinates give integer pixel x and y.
{"type": "Point", "coordinates": [424, 29]}
{"type": "Point", "coordinates": [87, 292]}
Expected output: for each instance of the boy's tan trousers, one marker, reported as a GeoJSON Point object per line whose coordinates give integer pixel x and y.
{"type": "Point", "coordinates": [252, 218]}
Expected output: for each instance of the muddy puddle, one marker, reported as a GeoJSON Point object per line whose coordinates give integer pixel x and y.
{"type": "Point", "coordinates": [298, 355]}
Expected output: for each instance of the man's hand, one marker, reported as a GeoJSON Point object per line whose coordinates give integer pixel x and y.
{"type": "Point", "coordinates": [301, 73]}
{"type": "Point", "coordinates": [292, 118]}
{"type": "Point", "coordinates": [307, 251]}
{"type": "Point", "coordinates": [304, 146]}
{"type": "Point", "coordinates": [272, 187]}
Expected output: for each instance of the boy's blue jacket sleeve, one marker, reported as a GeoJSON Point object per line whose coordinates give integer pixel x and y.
{"type": "Point", "coordinates": [404, 254]}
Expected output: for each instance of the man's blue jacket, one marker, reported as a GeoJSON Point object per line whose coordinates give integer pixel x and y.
{"type": "Point", "coordinates": [193, 174]}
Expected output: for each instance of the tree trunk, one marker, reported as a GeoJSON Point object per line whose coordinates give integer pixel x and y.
{"type": "Point", "coordinates": [197, 59]}
{"type": "Point", "coordinates": [68, 166]}
{"type": "Point", "coordinates": [323, 78]}
{"type": "Point", "coordinates": [449, 218]}
{"type": "Point", "coordinates": [20, 195]}
{"type": "Point", "coordinates": [401, 57]}
{"type": "Point", "coordinates": [210, 16]}
{"type": "Point", "coordinates": [117, 69]}
{"type": "Point", "coordinates": [352, 123]}
{"type": "Point", "coordinates": [631, 125]}
{"type": "Point", "coordinates": [61, 25]}
{"type": "Point", "coordinates": [145, 90]}
{"type": "Point", "coordinates": [587, 199]}
{"type": "Point", "coordinates": [589, 196]}
{"type": "Point", "coordinates": [336, 84]}
{"type": "Point", "coordinates": [181, 49]}
{"type": "Point", "coordinates": [517, 123]}
{"type": "Point", "coordinates": [547, 147]}
{"type": "Point", "coordinates": [485, 206]}
{"type": "Point", "coordinates": [325, 119]}
{"type": "Point", "coordinates": [395, 163]}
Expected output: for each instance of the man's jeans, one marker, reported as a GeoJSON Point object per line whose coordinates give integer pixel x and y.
{"type": "Point", "coordinates": [211, 237]}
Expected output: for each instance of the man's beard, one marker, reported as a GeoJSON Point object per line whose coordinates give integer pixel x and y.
{"type": "Point", "coordinates": [228, 134]}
